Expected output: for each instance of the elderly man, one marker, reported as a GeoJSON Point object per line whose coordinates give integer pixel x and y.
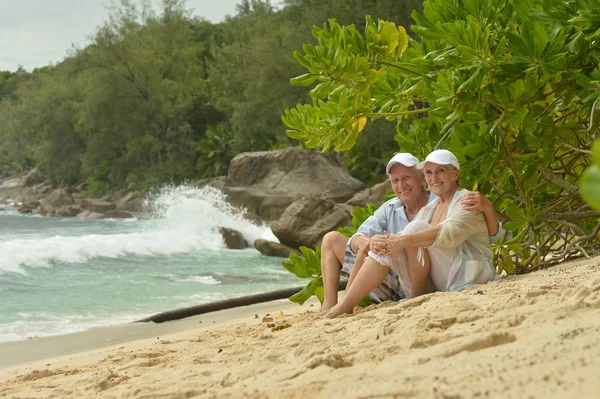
{"type": "Point", "coordinates": [340, 255]}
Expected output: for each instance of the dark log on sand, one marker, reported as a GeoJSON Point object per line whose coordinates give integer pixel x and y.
{"type": "Point", "coordinates": [225, 304]}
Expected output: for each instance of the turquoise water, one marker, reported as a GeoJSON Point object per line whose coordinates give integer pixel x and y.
{"type": "Point", "coordinates": [62, 275]}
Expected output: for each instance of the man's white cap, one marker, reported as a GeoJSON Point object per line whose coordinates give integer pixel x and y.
{"type": "Point", "coordinates": [441, 157]}
{"type": "Point", "coordinates": [404, 158]}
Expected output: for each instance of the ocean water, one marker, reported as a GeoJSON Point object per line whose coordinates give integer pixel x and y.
{"type": "Point", "coordinates": [63, 275]}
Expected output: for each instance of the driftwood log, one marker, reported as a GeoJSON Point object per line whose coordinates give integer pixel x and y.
{"type": "Point", "coordinates": [225, 304]}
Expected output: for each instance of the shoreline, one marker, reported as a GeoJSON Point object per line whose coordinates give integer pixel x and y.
{"type": "Point", "coordinates": [534, 336]}
{"type": "Point", "coordinates": [17, 356]}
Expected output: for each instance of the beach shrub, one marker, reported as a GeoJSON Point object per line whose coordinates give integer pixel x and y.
{"type": "Point", "coordinates": [306, 266]}
{"type": "Point", "coordinates": [509, 86]}
{"type": "Point", "coordinates": [309, 266]}
{"type": "Point", "coordinates": [359, 215]}
{"type": "Point", "coordinates": [590, 180]}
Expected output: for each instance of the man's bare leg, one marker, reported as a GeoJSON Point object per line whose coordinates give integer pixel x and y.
{"type": "Point", "coordinates": [360, 260]}
{"type": "Point", "coordinates": [371, 274]}
{"type": "Point", "coordinates": [333, 249]}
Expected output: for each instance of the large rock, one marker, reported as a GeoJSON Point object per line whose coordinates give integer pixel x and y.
{"type": "Point", "coordinates": [265, 204]}
{"type": "Point", "coordinates": [130, 202]}
{"type": "Point", "coordinates": [267, 182]}
{"type": "Point", "coordinates": [83, 214]}
{"type": "Point", "coordinates": [306, 221]}
{"type": "Point", "coordinates": [373, 195]}
{"type": "Point", "coordinates": [97, 205]}
{"type": "Point", "coordinates": [32, 178]}
{"type": "Point", "coordinates": [43, 188]}
{"type": "Point", "coordinates": [271, 248]}
{"type": "Point", "coordinates": [95, 215]}
{"type": "Point", "coordinates": [233, 238]}
{"type": "Point", "coordinates": [25, 209]}
{"type": "Point", "coordinates": [116, 214]}
{"type": "Point", "coordinates": [67, 211]}
{"type": "Point", "coordinates": [60, 197]}
{"type": "Point", "coordinates": [46, 208]}
{"type": "Point", "coordinates": [216, 182]}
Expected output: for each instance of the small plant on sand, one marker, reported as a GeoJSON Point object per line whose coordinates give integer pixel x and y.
{"type": "Point", "coordinates": [306, 266]}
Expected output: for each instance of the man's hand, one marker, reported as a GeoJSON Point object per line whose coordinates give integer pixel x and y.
{"type": "Point", "coordinates": [476, 202]}
{"type": "Point", "coordinates": [359, 243]}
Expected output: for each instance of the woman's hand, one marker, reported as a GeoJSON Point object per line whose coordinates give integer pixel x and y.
{"type": "Point", "coordinates": [476, 202]}
{"type": "Point", "coordinates": [378, 243]}
{"type": "Point", "coordinates": [393, 244]}
{"type": "Point", "coordinates": [386, 244]}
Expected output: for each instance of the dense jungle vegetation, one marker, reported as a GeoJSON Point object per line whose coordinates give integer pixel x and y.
{"type": "Point", "coordinates": [164, 96]}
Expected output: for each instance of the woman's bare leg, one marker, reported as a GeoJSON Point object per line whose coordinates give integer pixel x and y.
{"type": "Point", "coordinates": [371, 274]}
{"type": "Point", "coordinates": [418, 271]}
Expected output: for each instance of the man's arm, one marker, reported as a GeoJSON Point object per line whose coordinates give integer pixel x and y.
{"type": "Point", "coordinates": [375, 224]}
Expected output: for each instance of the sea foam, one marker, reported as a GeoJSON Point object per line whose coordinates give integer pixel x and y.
{"type": "Point", "coordinates": [184, 219]}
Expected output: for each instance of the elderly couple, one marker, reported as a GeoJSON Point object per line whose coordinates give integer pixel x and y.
{"type": "Point", "coordinates": [414, 244]}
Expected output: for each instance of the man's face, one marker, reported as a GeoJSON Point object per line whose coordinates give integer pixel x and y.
{"type": "Point", "coordinates": [407, 183]}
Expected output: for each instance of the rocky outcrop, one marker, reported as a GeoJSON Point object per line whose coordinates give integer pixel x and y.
{"type": "Point", "coordinates": [34, 196]}
{"type": "Point", "coordinates": [267, 182]}
{"type": "Point", "coordinates": [306, 221]}
{"type": "Point", "coordinates": [233, 238]}
{"type": "Point", "coordinates": [32, 178]}
{"type": "Point", "coordinates": [131, 201]}
{"type": "Point", "coordinates": [68, 211]}
{"type": "Point", "coordinates": [97, 205]}
{"type": "Point", "coordinates": [271, 248]}
{"type": "Point", "coordinates": [373, 195]}
{"type": "Point", "coordinates": [60, 197]}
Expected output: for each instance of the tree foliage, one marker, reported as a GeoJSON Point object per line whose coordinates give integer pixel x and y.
{"type": "Point", "coordinates": [508, 86]}
{"type": "Point", "coordinates": [140, 104]}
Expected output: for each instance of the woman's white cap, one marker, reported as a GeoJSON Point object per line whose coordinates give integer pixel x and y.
{"type": "Point", "coordinates": [441, 157]}
{"type": "Point", "coordinates": [403, 158]}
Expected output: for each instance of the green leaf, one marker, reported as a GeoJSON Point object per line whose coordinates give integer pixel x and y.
{"type": "Point", "coordinates": [589, 185]}
{"type": "Point", "coordinates": [305, 80]}
{"type": "Point", "coordinates": [596, 151]}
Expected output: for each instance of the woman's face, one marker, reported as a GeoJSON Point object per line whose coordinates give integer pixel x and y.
{"type": "Point", "coordinates": [441, 179]}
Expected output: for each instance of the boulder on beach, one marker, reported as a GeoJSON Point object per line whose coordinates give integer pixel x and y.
{"type": "Point", "coordinates": [131, 201]}
{"type": "Point", "coordinates": [46, 208]}
{"type": "Point", "coordinates": [267, 182]}
{"type": "Point", "coordinates": [60, 197]}
{"type": "Point", "coordinates": [97, 205]}
{"type": "Point", "coordinates": [372, 195]}
{"type": "Point", "coordinates": [271, 248]}
{"type": "Point", "coordinates": [306, 221]}
{"type": "Point", "coordinates": [233, 239]}
{"type": "Point", "coordinates": [83, 214]}
{"type": "Point", "coordinates": [32, 178]}
{"type": "Point", "coordinates": [67, 211]}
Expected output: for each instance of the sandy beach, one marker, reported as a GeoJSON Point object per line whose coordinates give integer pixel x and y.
{"type": "Point", "coordinates": [531, 336]}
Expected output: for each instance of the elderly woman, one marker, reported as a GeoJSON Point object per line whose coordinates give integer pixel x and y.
{"type": "Point", "coordinates": [445, 245]}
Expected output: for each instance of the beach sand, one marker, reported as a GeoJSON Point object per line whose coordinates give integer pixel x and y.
{"type": "Point", "coordinates": [531, 336]}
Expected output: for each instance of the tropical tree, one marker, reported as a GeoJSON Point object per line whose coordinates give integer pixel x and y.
{"type": "Point", "coordinates": [509, 86]}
